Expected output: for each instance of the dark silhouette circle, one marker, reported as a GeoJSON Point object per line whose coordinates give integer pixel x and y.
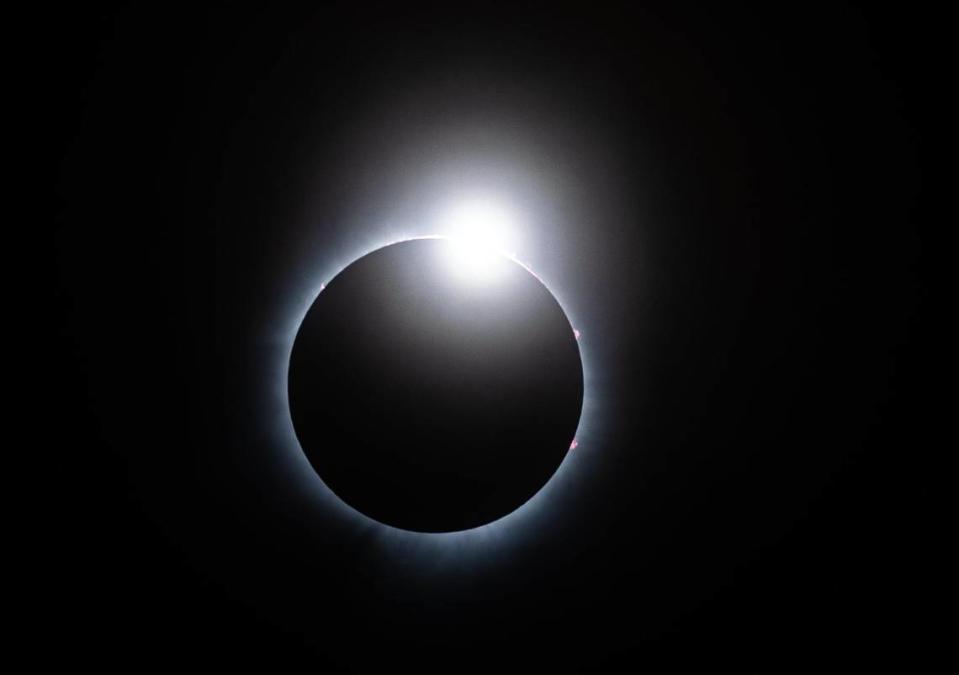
{"type": "Point", "coordinates": [431, 402]}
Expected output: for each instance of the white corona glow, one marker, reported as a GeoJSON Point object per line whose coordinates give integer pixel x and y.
{"type": "Point", "coordinates": [481, 236]}
{"type": "Point", "coordinates": [474, 227]}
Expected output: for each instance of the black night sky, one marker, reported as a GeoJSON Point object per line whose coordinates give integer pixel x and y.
{"type": "Point", "coordinates": [728, 201]}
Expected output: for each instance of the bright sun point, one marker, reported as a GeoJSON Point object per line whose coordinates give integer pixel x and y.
{"type": "Point", "coordinates": [480, 237]}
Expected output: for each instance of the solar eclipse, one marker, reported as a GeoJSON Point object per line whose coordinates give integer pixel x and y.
{"type": "Point", "coordinates": [319, 397]}
{"type": "Point", "coordinates": [469, 394]}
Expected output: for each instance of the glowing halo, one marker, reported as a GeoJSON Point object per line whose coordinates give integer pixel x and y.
{"type": "Point", "coordinates": [419, 548]}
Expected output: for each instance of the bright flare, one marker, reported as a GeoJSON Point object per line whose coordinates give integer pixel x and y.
{"type": "Point", "coordinates": [480, 236]}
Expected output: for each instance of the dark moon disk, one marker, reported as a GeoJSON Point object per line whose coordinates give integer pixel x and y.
{"type": "Point", "coordinates": [430, 401]}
